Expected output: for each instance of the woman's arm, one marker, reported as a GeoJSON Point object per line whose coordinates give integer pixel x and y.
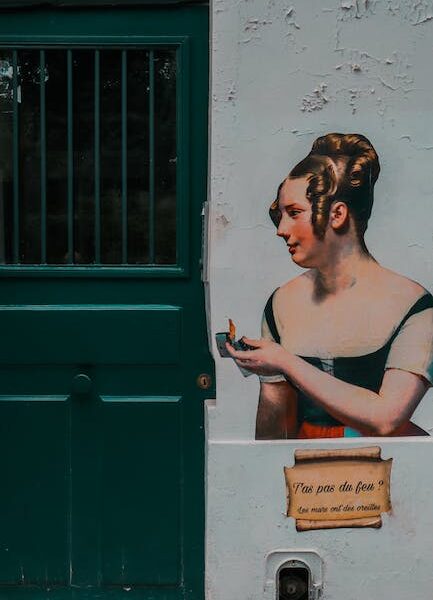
{"type": "Point", "coordinates": [371, 413]}
{"type": "Point", "coordinates": [276, 413]}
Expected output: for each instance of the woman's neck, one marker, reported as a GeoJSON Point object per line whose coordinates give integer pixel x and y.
{"type": "Point", "coordinates": [341, 271]}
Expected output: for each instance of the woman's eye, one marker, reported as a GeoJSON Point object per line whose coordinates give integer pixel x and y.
{"type": "Point", "coordinates": [293, 212]}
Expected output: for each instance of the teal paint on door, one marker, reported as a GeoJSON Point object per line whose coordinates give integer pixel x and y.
{"type": "Point", "coordinates": [101, 419]}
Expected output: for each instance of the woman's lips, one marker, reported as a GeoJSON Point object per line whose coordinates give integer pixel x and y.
{"type": "Point", "coordinates": [292, 249]}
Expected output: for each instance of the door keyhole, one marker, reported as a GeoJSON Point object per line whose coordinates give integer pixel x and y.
{"type": "Point", "coordinates": [204, 381]}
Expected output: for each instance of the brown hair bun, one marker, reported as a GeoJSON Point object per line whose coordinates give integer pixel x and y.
{"type": "Point", "coordinates": [340, 166]}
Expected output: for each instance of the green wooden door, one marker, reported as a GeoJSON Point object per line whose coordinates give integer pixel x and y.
{"type": "Point", "coordinates": [103, 119]}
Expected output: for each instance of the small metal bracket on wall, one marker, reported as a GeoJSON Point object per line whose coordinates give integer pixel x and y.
{"type": "Point", "coordinates": [204, 242]}
{"type": "Point", "coordinates": [204, 264]}
{"type": "Point", "coordinates": [279, 560]}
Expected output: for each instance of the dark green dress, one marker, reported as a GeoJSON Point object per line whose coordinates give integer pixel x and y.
{"type": "Point", "coordinates": [365, 371]}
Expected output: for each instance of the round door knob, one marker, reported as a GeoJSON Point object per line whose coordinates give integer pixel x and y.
{"type": "Point", "coordinates": [81, 384]}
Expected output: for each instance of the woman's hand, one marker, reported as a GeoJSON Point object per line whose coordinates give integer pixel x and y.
{"type": "Point", "coordinates": [267, 358]}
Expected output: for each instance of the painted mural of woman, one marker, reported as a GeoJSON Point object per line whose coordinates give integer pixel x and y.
{"type": "Point", "coordinates": [347, 346]}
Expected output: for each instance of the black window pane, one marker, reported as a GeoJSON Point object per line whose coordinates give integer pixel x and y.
{"type": "Point", "coordinates": [138, 157]}
{"type": "Point", "coordinates": [165, 157]}
{"type": "Point", "coordinates": [111, 157]}
{"type": "Point", "coordinates": [57, 157]}
{"type": "Point", "coordinates": [6, 149]}
{"type": "Point", "coordinates": [84, 163]}
{"type": "Point", "coordinates": [30, 156]}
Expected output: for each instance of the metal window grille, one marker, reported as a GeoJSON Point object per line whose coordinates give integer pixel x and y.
{"type": "Point", "coordinates": [88, 156]}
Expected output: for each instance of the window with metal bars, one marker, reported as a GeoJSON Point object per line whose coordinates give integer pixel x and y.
{"type": "Point", "coordinates": [88, 156]}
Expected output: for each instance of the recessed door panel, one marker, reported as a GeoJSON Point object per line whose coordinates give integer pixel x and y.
{"type": "Point", "coordinates": [35, 490]}
{"type": "Point", "coordinates": [64, 335]}
{"type": "Point", "coordinates": [141, 490]}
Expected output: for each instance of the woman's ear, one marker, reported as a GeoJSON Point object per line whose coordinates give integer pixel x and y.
{"type": "Point", "coordinates": [339, 216]}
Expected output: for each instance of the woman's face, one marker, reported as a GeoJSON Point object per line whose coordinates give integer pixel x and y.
{"type": "Point", "coordinates": [295, 226]}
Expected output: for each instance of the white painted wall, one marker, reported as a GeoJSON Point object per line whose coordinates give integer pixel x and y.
{"type": "Point", "coordinates": [284, 73]}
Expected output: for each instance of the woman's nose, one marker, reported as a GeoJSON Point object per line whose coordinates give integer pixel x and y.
{"type": "Point", "coordinates": [283, 228]}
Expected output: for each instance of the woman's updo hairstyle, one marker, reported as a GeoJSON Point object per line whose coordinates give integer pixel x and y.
{"type": "Point", "coordinates": [339, 167]}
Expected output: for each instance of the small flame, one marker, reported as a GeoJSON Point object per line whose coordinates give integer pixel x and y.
{"type": "Point", "coordinates": [232, 330]}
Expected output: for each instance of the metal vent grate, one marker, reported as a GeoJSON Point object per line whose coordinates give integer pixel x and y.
{"type": "Point", "coordinates": [88, 156]}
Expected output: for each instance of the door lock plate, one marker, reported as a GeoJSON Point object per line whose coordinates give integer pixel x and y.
{"type": "Point", "coordinates": [204, 381]}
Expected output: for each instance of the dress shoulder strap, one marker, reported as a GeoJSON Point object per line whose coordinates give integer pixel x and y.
{"type": "Point", "coordinates": [426, 301]}
{"type": "Point", "coordinates": [270, 319]}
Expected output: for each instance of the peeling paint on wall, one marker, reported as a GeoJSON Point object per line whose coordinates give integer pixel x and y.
{"type": "Point", "coordinates": [357, 9]}
{"type": "Point", "coordinates": [290, 18]}
{"type": "Point", "coordinates": [416, 12]}
{"type": "Point", "coordinates": [392, 73]}
{"type": "Point", "coordinates": [315, 101]}
{"type": "Point", "coordinates": [253, 28]}
{"type": "Point", "coordinates": [231, 96]}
